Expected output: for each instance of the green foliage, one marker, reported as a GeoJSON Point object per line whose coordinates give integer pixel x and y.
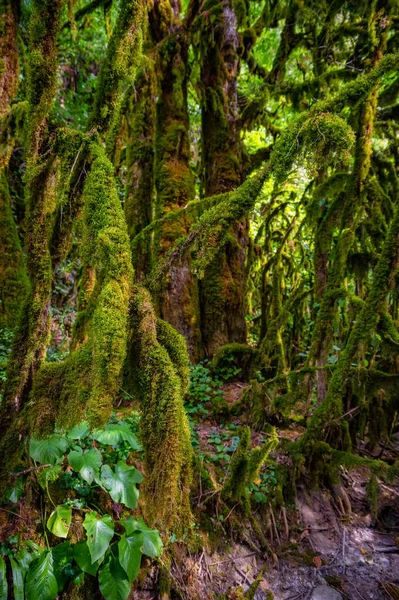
{"type": "Point", "coordinates": [60, 520]}
{"type": "Point", "coordinates": [121, 483]}
{"type": "Point", "coordinates": [40, 579]}
{"type": "Point", "coordinates": [78, 466]}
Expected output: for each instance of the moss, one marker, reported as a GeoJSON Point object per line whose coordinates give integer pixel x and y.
{"type": "Point", "coordinates": [9, 67]}
{"type": "Point", "coordinates": [14, 283]}
{"type": "Point", "coordinates": [33, 329]}
{"type": "Point", "coordinates": [159, 379]}
{"type": "Point", "coordinates": [177, 299]}
{"type": "Point", "coordinates": [241, 355]}
{"type": "Point", "coordinates": [86, 382]}
{"type": "Point", "coordinates": [245, 466]}
{"type": "Point", "coordinates": [121, 61]}
{"type": "Point", "coordinates": [372, 492]}
{"type": "Point", "coordinates": [140, 156]}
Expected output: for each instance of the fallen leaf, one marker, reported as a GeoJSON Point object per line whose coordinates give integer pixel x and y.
{"type": "Point", "coordinates": [317, 562]}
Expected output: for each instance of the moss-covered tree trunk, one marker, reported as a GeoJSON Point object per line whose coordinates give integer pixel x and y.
{"type": "Point", "coordinates": [33, 329]}
{"type": "Point", "coordinates": [139, 198]}
{"type": "Point", "coordinates": [13, 280]}
{"type": "Point", "coordinates": [329, 282]}
{"type": "Point", "coordinates": [222, 288]}
{"type": "Point", "coordinates": [178, 300]}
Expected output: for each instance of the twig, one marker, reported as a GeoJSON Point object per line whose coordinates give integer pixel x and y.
{"type": "Point", "coordinates": [231, 511]}
{"type": "Point", "coordinates": [20, 473]}
{"type": "Point", "coordinates": [232, 559]}
{"type": "Point", "coordinates": [12, 513]}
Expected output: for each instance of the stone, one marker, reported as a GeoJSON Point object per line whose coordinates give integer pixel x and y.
{"type": "Point", "coordinates": [325, 592]}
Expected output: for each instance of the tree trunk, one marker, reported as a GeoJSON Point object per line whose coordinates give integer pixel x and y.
{"type": "Point", "coordinates": [178, 301]}
{"type": "Point", "coordinates": [222, 289]}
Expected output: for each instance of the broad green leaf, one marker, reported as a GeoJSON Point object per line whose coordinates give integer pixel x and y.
{"type": "Point", "coordinates": [17, 579]}
{"type": "Point", "coordinates": [63, 557]}
{"type": "Point", "coordinates": [86, 463]}
{"type": "Point", "coordinates": [60, 520]}
{"type": "Point", "coordinates": [114, 434]}
{"type": "Point", "coordinates": [99, 534]}
{"type": "Point", "coordinates": [3, 580]}
{"type": "Point", "coordinates": [48, 475]}
{"type": "Point", "coordinates": [24, 558]}
{"type": "Point", "coordinates": [82, 557]}
{"type": "Point", "coordinates": [49, 450]}
{"type": "Point", "coordinates": [152, 543]}
{"type": "Point", "coordinates": [121, 483]}
{"type": "Point", "coordinates": [81, 430]}
{"type": "Point", "coordinates": [113, 581]}
{"type": "Point", "coordinates": [40, 583]}
{"type": "Point", "coordinates": [130, 554]}
{"type": "Point", "coordinates": [13, 494]}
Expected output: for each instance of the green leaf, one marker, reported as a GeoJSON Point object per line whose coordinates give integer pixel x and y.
{"type": "Point", "coordinates": [152, 543]}
{"type": "Point", "coordinates": [121, 483]}
{"type": "Point", "coordinates": [24, 558]}
{"type": "Point", "coordinates": [130, 553]}
{"type": "Point", "coordinates": [13, 494]}
{"type": "Point", "coordinates": [81, 430]}
{"type": "Point", "coordinates": [99, 534]}
{"type": "Point", "coordinates": [48, 475]}
{"type": "Point", "coordinates": [49, 450]}
{"type": "Point", "coordinates": [18, 579]}
{"type": "Point", "coordinates": [114, 434]}
{"type": "Point", "coordinates": [81, 554]}
{"type": "Point", "coordinates": [78, 579]}
{"type": "Point", "coordinates": [41, 583]}
{"type": "Point", "coordinates": [87, 463]}
{"type": "Point", "coordinates": [113, 581]}
{"type": "Point", "coordinates": [3, 580]}
{"type": "Point", "coordinates": [63, 557]}
{"type": "Point", "coordinates": [60, 520]}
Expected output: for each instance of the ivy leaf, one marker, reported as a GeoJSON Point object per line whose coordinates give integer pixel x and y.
{"type": "Point", "coordinates": [40, 579]}
{"type": "Point", "coordinates": [152, 543]}
{"type": "Point", "coordinates": [121, 484]}
{"type": "Point", "coordinates": [63, 557]}
{"type": "Point", "coordinates": [129, 553]}
{"type": "Point", "coordinates": [17, 579]}
{"type": "Point", "coordinates": [60, 520]}
{"type": "Point", "coordinates": [81, 554]}
{"type": "Point", "coordinates": [49, 450]}
{"type": "Point", "coordinates": [81, 430]}
{"type": "Point", "coordinates": [3, 580]}
{"type": "Point", "coordinates": [115, 433]}
{"type": "Point", "coordinates": [87, 463]}
{"type": "Point", "coordinates": [113, 581]}
{"type": "Point", "coordinates": [99, 534]}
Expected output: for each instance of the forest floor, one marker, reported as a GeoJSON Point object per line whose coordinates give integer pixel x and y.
{"type": "Point", "coordinates": [328, 553]}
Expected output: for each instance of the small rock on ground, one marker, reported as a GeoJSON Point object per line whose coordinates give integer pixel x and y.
{"type": "Point", "coordinates": [324, 592]}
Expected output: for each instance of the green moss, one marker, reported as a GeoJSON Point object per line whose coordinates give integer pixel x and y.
{"type": "Point", "coordinates": [86, 382]}
{"type": "Point", "coordinates": [140, 157]}
{"type": "Point", "coordinates": [372, 492]}
{"type": "Point", "coordinates": [245, 466]}
{"type": "Point", "coordinates": [14, 283]}
{"type": "Point", "coordinates": [159, 379]}
{"type": "Point", "coordinates": [121, 61]}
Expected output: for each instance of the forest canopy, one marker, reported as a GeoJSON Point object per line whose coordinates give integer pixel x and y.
{"type": "Point", "coordinates": [199, 249]}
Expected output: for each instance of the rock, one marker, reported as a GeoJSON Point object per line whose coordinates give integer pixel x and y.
{"type": "Point", "coordinates": [325, 592]}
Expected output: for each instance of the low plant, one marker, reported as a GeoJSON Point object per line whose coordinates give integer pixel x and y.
{"type": "Point", "coordinates": [83, 462]}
